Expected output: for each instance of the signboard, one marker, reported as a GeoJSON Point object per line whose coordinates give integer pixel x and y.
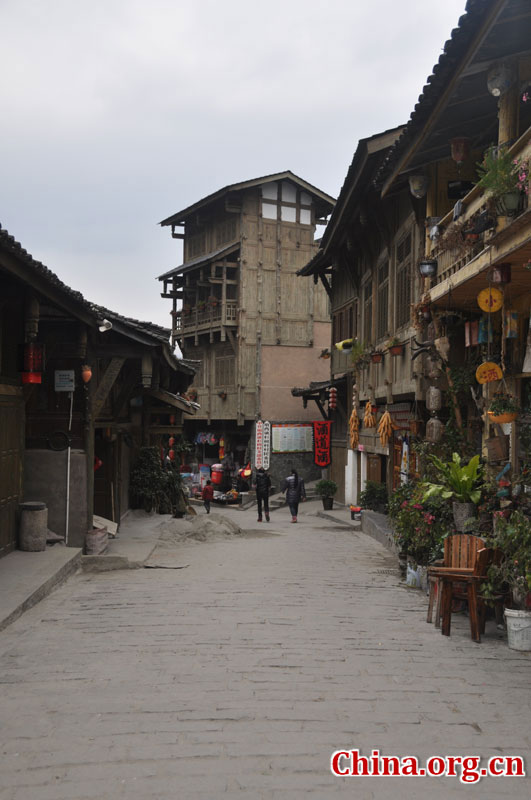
{"type": "Point", "coordinates": [266, 445]}
{"type": "Point", "coordinates": [321, 435]}
{"type": "Point", "coordinates": [488, 372]}
{"type": "Point", "coordinates": [259, 441]}
{"type": "Point", "coordinates": [65, 380]}
{"type": "Point", "coordinates": [297, 438]}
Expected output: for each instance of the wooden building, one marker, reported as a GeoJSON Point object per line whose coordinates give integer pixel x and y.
{"type": "Point", "coordinates": [411, 195]}
{"type": "Point", "coordinates": [239, 309]}
{"type": "Point", "coordinates": [64, 441]}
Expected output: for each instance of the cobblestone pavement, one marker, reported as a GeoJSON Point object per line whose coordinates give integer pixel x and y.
{"type": "Point", "coordinates": [240, 674]}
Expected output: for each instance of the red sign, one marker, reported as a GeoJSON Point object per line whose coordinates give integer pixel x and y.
{"type": "Point", "coordinates": [321, 443]}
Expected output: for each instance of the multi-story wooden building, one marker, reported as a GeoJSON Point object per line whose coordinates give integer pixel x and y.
{"type": "Point", "coordinates": [239, 309]}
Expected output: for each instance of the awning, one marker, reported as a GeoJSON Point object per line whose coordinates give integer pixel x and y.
{"type": "Point", "coordinates": [174, 400]}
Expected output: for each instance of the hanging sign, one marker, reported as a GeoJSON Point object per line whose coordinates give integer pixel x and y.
{"type": "Point", "coordinates": [259, 439]}
{"type": "Point", "coordinates": [321, 439]}
{"type": "Point", "coordinates": [490, 299]}
{"type": "Point", "coordinates": [266, 444]}
{"type": "Point", "coordinates": [488, 372]}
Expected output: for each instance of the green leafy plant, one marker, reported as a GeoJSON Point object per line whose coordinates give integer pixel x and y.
{"type": "Point", "coordinates": [456, 482]}
{"type": "Point", "coordinates": [360, 354]}
{"type": "Point", "coordinates": [326, 488]}
{"type": "Point", "coordinates": [419, 528]}
{"type": "Point", "coordinates": [374, 497]}
{"type": "Point", "coordinates": [503, 403]}
{"type": "Point", "coordinates": [500, 173]}
{"type": "Point", "coordinates": [153, 487]}
{"type": "Point", "coordinates": [513, 538]}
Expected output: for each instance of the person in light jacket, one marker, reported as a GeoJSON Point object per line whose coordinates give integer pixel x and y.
{"type": "Point", "coordinates": [295, 492]}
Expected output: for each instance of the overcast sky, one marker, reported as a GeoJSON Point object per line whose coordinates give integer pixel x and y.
{"type": "Point", "coordinates": [118, 113]}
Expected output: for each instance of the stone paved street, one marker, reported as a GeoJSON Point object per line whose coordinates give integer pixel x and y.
{"type": "Point", "coordinates": [240, 674]}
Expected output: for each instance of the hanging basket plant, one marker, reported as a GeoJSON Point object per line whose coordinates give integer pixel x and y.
{"type": "Point", "coordinates": [503, 408]}
{"type": "Point", "coordinates": [395, 347]}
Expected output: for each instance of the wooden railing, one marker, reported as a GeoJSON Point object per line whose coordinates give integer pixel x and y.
{"type": "Point", "coordinates": [452, 257]}
{"type": "Point", "coordinates": [207, 317]}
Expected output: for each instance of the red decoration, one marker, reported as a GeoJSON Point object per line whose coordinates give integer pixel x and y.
{"type": "Point", "coordinates": [332, 398]}
{"type": "Point", "coordinates": [34, 357]}
{"type": "Point", "coordinates": [321, 443]}
{"type": "Point", "coordinates": [171, 454]}
{"type": "Point", "coordinates": [31, 377]}
{"type": "Point", "coordinates": [460, 148]}
{"type": "Point", "coordinates": [171, 441]}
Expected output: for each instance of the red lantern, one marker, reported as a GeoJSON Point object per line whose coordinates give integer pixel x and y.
{"type": "Point", "coordinates": [171, 441]}
{"type": "Point", "coordinates": [86, 373]}
{"type": "Point", "coordinates": [171, 455]}
{"type": "Point", "coordinates": [172, 419]}
{"type": "Point", "coordinates": [460, 149]}
{"type": "Point", "coordinates": [332, 398]}
{"type": "Point", "coordinates": [33, 362]}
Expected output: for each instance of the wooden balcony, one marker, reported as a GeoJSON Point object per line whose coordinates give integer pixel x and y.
{"type": "Point", "coordinates": [205, 319]}
{"type": "Point", "coordinates": [458, 262]}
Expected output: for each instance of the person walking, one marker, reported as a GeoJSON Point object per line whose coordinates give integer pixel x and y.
{"type": "Point", "coordinates": [207, 495]}
{"type": "Point", "coordinates": [263, 485]}
{"type": "Point", "coordinates": [295, 492]}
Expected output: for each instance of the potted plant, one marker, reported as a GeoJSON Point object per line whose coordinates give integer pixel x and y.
{"type": "Point", "coordinates": [395, 346]}
{"type": "Point", "coordinates": [327, 489]}
{"type": "Point", "coordinates": [504, 178]}
{"type": "Point", "coordinates": [374, 497]}
{"type": "Point", "coordinates": [512, 574]}
{"type": "Point", "coordinates": [377, 357]}
{"type": "Point", "coordinates": [359, 354]}
{"type": "Point", "coordinates": [461, 484]}
{"type": "Point", "coordinates": [503, 408]}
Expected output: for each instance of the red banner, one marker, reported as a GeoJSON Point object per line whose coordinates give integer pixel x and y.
{"type": "Point", "coordinates": [321, 443]}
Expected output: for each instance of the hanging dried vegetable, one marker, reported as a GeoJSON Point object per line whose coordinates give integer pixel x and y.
{"type": "Point", "coordinates": [385, 428]}
{"type": "Point", "coordinates": [354, 427]}
{"type": "Point", "coordinates": [369, 419]}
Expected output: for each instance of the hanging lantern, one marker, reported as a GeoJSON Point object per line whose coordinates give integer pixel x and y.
{"type": "Point", "coordinates": [33, 362]}
{"type": "Point", "coordinates": [499, 79]}
{"type": "Point", "coordinates": [86, 373]}
{"type": "Point", "coordinates": [332, 398]}
{"type": "Point", "coordinates": [171, 441]}
{"type": "Point", "coordinates": [434, 430]}
{"type": "Point", "coordinates": [428, 267]}
{"type": "Point", "coordinates": [171, 454]}
{"type": "Point", "coordinates": [433, 399]}
{"type": "Point", "coordinates": [418, 185]}
{"type": "Point", "coordinates": [172, 419]}
{"type": "Point", "coordinates": [460, 149]}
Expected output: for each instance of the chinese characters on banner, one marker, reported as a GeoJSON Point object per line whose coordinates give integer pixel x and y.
{"type": "Point", "coordinates": [321, 439]}
{"type": "Point", "coordinates": [263, 445]}
{"type": "Point", "coordinates": [258, 457]}
{"type": "Point", "coordinates": [266, 444]}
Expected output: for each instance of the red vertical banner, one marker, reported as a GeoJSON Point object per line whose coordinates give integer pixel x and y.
{"type": "Point", "coordinates": [321, 443]}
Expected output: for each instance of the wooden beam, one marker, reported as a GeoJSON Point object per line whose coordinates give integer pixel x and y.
{"type": "Point", "coordinates": [326, 285]}
{"type": "Point", "coordinates": [125, 393]}
{"type": "Point", "coordinates": [105, 385]}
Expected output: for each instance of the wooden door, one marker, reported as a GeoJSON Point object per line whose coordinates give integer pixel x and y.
{"type": "Point", "coordinates": [374, 468]}
{"type": "Point", "coordinates": [11, 452]}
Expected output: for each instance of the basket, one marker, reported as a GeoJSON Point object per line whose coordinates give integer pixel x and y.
{"type": "Point", "coordinates": [497, 448]}
{"type": "Point", "coordinates": [499, 419]}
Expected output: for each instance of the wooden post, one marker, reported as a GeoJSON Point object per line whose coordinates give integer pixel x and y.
{"type": "Point", "coordinates": [508, 116]}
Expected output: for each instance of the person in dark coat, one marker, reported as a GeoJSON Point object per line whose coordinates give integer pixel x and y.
{"type": "Point", "coordinates": [295, 492]}
{"type": "Point", "coordinates": [263, 485]}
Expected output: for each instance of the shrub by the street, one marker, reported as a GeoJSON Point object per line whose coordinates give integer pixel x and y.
{"type": "Point", "coordinates": [374, 497]}
{"type": "Point", "coordinates": [419, 527]}
{"type": "Point", "coordinates": [151, 486]}
{"type": "Point", "coordinates": [326, 488]}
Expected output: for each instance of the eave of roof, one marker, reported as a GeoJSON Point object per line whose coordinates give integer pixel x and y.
{"type": "Point", "coordinates": [197, 262]}
{"type": "Point", "coordinates": [180, 216]}
{"type": "Point", "coordinates": [457, 53]}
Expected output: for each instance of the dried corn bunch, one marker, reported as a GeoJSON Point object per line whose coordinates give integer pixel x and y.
{"type": "Point", "coordinates": [369, 419]}
{"type": "Point", "coordinates": [354, 427]}
{"type": "Point", "coordinates": [385, 428]}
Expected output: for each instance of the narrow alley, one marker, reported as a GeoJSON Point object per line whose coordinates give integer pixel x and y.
{"type": "Point", "coordinates": [238, 668]}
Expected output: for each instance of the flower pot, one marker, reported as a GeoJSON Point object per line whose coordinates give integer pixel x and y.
{"type": "Point", "coordinates": [508, 203]}
{"type": "Point", "coordinates": [396, 349]}
{"type": "Point", "coordinates": [518, 629]}
{"type": "Point", "coordinates": [428, 267]}
{"type": "Point", "coordinates": [463, 512]}
{"type": "Point", "coordinates": [376, 358]}
{"type": "Point", "coordinates": [499, 418]}
{"type": "Point", "coordinates": [328, 503]}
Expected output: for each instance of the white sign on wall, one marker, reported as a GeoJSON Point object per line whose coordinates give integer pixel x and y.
{"type": "Point", "coordinates": [65, 380]}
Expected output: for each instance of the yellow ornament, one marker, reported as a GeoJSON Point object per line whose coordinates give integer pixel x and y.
{"type": "Point", "coordinates": [490, 299]}
{"type": "Point", "coordinates": [488, 372]}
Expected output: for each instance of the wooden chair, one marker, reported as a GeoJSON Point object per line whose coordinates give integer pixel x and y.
{"type": "Point", "coordinates": [459, 553]}
{"type": "Point", "coordinates": [451, 577]}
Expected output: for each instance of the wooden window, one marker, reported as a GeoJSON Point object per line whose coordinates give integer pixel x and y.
{"type": "Point", "coordinates": [225, 370]}
{"type": "Point", "coordinates": [403, 281]}
{"type": "Point", "coordinates": [342, 324]}
{"type": "Point", "coordinates": [367, 312]}
{"type": "Point", "coordinates": [382, 327]}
